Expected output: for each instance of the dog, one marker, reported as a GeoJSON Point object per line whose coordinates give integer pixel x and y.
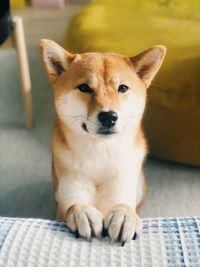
{"type": "Point", "coordinates": [98, 146]}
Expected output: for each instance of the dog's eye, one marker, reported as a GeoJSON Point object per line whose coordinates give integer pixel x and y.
{"type": "Point", "coordinates": [84, 88]}
{"type": "Point", "coordinates": [123, 88]}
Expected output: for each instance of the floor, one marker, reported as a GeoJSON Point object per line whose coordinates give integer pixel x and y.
{"type": "Point", "coordinates": [25, 158]}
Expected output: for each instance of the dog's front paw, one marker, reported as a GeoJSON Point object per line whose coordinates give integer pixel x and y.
{"type": "Point", "coordinates": [84, 221]}
{"type": "Point", "coordinates": [122, 223]}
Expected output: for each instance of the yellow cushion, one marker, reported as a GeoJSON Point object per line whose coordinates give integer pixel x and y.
{"type": "Point", "coordinates": [17, 3]}
{"type": "Point", "coordinates": [172, 118]}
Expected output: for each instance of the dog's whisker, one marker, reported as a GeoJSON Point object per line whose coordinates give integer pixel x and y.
{"type": "Point", "coordinates": [73, 116]}
{"type": "Point", "coordinates": [93, 123]}
{"type": "Point", "coordinates": [131, 118]}
{"type": "Point", "coordinates": [128, 116]}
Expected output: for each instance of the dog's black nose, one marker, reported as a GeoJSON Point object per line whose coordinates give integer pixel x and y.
{"type": "Point", "coordinates": [108, 119]}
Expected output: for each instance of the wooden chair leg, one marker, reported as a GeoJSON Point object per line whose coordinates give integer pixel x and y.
{"type": "Point", "coordinates": [20, 45]}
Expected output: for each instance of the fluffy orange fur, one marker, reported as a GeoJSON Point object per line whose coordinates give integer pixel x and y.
{"type": "Point", "coordinates": [98, 179]}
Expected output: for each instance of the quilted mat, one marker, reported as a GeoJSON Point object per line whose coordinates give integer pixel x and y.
{"type": "Point", "coordinates": [36, 242]}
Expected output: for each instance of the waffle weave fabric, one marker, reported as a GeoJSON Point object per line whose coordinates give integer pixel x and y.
{"type": "Point", "coordinates": [43, 243]}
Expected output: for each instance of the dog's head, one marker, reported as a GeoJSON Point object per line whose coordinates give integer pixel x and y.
{"type": "Point", "coordinates": [100, 94]}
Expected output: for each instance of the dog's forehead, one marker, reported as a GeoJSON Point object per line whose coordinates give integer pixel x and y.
{"type": "Point", "coordinates": [105, 63]}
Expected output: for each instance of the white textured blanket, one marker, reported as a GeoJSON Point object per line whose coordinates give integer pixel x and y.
{"type": "Point", "coordinates": [44, 243]}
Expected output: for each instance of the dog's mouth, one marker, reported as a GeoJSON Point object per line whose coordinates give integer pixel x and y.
{"type": "Point", "coordinates": [84, 126]}
{"type": "Point", "coordinates": [100, 131]}
{"type": "Point", "coordinates": [105, 131]}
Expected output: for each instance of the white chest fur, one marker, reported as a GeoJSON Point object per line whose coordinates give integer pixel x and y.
{"type": "Point", "coordinates": [97, 160]}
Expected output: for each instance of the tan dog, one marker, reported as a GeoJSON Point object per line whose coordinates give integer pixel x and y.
{"type": "Point", "coordinates": [98, 144]}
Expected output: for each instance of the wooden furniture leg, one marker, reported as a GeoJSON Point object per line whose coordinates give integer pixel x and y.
{"type": "Point", "coordinates": [20, 45]}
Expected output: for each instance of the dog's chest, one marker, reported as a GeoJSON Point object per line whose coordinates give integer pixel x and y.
{"type": "Point", "coordinates": [99, 160]}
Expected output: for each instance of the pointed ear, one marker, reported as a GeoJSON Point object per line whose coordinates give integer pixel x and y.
{"type": "Point", "coordinates": [55, 58]}
{"type": "Point", "coordinates": [148, 63]}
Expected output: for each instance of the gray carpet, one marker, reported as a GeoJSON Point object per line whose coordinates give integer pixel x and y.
{"type": "Point", "coordinates": [25, 159]}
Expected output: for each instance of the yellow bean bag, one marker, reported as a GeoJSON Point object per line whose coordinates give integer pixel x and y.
{"type": "Point", "coordinates": [172, 118]}
{"type": "Point", "coordinates": [17, 3]}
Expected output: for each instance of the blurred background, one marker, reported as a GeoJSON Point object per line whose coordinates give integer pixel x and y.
{"type": "Point", "coordinates": [171, 120]}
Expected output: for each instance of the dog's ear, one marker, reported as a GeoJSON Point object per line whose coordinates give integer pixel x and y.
{"type": "Point", "coordinates": [148, 63]}
{"type": "Point", "coordinates": [56, 59]}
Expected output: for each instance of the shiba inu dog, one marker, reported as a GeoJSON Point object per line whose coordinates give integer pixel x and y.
{"type": "Point", "coordinates": [98, 144]}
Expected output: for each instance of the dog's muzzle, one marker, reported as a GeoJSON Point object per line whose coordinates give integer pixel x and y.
{"type": "Point", "coordinates": [107, 122]}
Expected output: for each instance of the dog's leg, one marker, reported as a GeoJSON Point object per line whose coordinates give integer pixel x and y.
{"type": "Point", "coordinates": [141, 191]}
{"type": "Point", "coordinates": [75, 200]}
{"type": "Point", "coordinates": [118, 204]}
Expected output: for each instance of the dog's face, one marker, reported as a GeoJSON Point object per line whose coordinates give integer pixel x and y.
{"type": "Point", "coordinates": [100, 94]}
